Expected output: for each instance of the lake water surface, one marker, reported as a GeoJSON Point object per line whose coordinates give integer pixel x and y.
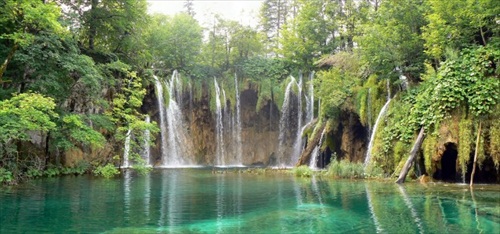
{"type": "Point", "coordinates": [198, 201]}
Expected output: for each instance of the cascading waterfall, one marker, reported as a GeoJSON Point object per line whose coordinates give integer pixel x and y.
{"type": "Point", "coordinates": [369, 110]}
{"type": "Point", "coordinates": [374, 130]}
{"type": "Point", "coordinates": [239, 152]}
{"type": "Point", "coordinates": [310, 100]}
{"type": "Point", "coordinates": [284, 123]}
{"type": "Point", "coordinates": [163, 119]}
{"type": "Point", "coordinates": [220, 153]}
{"type": "Point", "coordinates": [173, 133]}
{"type": "Point", "coordinates": [297, 144]}
{"type": "Point", "coordinates": [126, 150]}
{"type": "Point", "coordinates": [314, 155]}
{"type": "Point", "coordinates": [388, 83]}
{"type": "Point", "coordinates": [403, 79]}
{"type": "Point", "coordinates": [146, 155]}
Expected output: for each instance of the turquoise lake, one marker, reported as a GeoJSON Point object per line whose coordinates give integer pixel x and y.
{"type": "Point", "coordinates": [236, 201]}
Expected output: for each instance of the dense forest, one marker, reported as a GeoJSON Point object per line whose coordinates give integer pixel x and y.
{"type": "Point", "coordinates": [75, 73]}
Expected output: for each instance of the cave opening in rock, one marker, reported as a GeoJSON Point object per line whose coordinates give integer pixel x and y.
{"type": "Point", "coordinates": [449, 163]}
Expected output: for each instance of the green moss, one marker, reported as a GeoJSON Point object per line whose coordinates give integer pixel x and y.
{"type": "Point", "coordinates": [480, 150]}
{"type": "Point", "coordinates": [264, 94]}
{"type": "Point", "coordinates": [429, 146]}
{"type": "Point", "coordinates": [400, 152]}
{"type": "Point", "coordinates": [465, 142]}
{"type": "Point", "coordinates": [362, 106]}
{"type": "Point", "coordinates": [495, 142]}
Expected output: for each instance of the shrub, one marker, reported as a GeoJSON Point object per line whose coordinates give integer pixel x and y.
{"type": "Point", "coordinates": [107, 171]}
{"type": "Point", "coordinates": [345, 169]}
{"type": "Point", "coordinates": [302, 171]}
{"type": "Point", "coordinates": [5, 176]}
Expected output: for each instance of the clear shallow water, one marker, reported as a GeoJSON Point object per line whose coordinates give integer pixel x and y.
{"type": "Point", "coordinates": [197, 201]}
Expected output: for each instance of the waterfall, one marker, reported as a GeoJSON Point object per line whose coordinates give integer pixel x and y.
{"type": "Point", "coordinates": [369, 110]}
{"type": "Point", "coordinates": [374, 131]}
{"type": "Point", "coordinates": [147, 151]}
{"type": "Point", "coordinates": [173, 112]}
{"type": "Point", "coordinates": [126, 150]}
{"type": "Point", "coordinates": [388, 89]}
{"type": "Point", "coordinates": [403, 79]}
{"type": "Point", "coordinates": [314, 155]}
{"type": "Point", "coordinates": [239, 152]}
{"type": "Point", "coordinates": [174, 142]}
{"type": "Point", "coordinates": [297, 144]}
{"type": "Point", "coordinates": [220, 154]}
{"type": "Point", "coordinates": [284, 123]}
{"type": "Point", "coordinates": [310, 99]}
{"type": "Point", "coordinates": [163, 120]}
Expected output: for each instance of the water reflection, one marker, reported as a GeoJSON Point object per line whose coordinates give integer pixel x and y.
{"type": "Point", "coordinates": [372, 210]}
{"type": "Point", "coordinates": [409, 204]}
{"type": "Point", "coordinates": [147, 195]}
{"type": "Point", "coordinates": [220, 201]}
{"type": "Point", "coordinates": [127, 179]}
{"type": "Point", "coordinates": [196, 201]}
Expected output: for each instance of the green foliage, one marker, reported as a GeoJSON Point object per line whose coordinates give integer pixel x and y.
{"type": "Point", "coordinates": [107, 171]}
{"type": "Point", "coordinates": [269, 75]}
{"type": "Point", "coordinates": [374, 171]}
{"type": "Point", "coordinates": [52, 171]}
{"type": "Point", "coordinates": [455, 24]}
{"type": "Point", "coordinates": [174, 41]}
{"type": "Point", "coordinates": [303, 37]}
{"type": "Point", "coordinates": [345, 169]}
{"type": "Point", "coordinates": [302, 171]}
{"type": "Point", "coordinates": [336, 87]}
{"type": "Point", "coordinates": [470, 82]}
{"type": "Point", "coordinates": [74, 131]}
{"type": "Point", "coordinates": [125, 111]}
{"type": "Point", "coordinates": [34, 173]}
{"type": "Point", "coordinates": [23, 113]}
{"type": "Point", "coordinates": [21, 18]}
{"type": "Point", "coordinates": [5, 176]}
{"type": "Point", "coordinates": [392, 38]}
{"type": "Point", "coordinates": [258, 69]}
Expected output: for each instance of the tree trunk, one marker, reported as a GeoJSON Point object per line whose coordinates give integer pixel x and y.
{"type": "Point", "coordinates": [305, 157]}
{"type": "Point", "coordinates": [475, 155]}
{"type": "Point", "coordinates": [93, 24]}
{"type": "Point", "coordinates": [411, 158]}
{"type": "Point", "coordinates": [3, 68]}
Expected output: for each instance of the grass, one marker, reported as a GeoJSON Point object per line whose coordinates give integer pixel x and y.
{"type": "Point", "coordinates": [345, 169]}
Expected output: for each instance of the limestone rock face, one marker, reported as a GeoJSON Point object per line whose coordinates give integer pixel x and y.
{"type": "Point", "coordinates": [259, 131]}
{"type": "Point", "coordinates": [354, 138]}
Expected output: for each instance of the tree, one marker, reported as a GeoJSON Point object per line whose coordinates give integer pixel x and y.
{"type": "Point", "coordinates": [392, 39]}
{"type": "Point", "coordinates": [455, 24]}
{"type": "Point", "coordinates": [20, 117]}
{"type": "Point", "coordinates": [189, 9]}
{"type": "Point", "coordinates": [273, 15]}
{"type": "Point", "coordinates": [175, 42]}
{"type": "Point", "coordinates": [309, 35]}
{"type": "Point", "coordinates": [106, 26]}
{"type": "Point", "coordinates": [21, 20]}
